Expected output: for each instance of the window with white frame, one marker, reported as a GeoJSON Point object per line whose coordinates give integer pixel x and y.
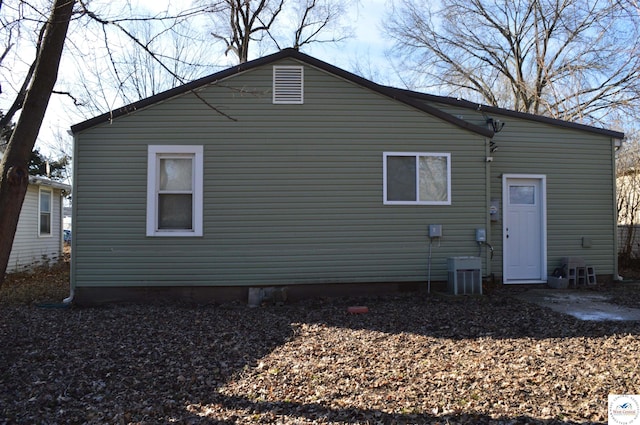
{"type": "Point", "coordinates": [417, 178]}
{"type": "Point", "coordinates": [44, 212]}
{"type": "Point", "coordinates": [174, 190]}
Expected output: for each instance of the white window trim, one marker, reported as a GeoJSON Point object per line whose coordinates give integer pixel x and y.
{"type": "Point", "coordinates": [50, 193]}
{"type": "Point", "coordinates": [154, 151]}
{"type": "Point", "coordinates": [417, 155]}
{"type": "Point", "coordinates": [288, 99]}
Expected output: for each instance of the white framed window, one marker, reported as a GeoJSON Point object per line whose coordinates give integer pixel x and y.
{"type": "Point", "coordinates": [416, 178]}
{"type": "Point", "coordinates": [288, 85]}
{"type": "Point", "coordinates": [174, 190]}
{"type": "Point", "coordinates": [44, 212]}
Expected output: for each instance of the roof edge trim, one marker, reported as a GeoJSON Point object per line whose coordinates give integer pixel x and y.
{"type": "Point", "coordinates": [462, 103]}
{"type": "Point", "coordinates": [392, 93]}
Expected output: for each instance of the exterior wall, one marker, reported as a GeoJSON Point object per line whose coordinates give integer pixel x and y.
{"type": "Point", "coordinates": [292, 193]}
{"type": "Point", "coordinates": [580, 175]}
{"type": "Point", "coordinates": [580, 191]}
{"type": "Point", "coordinates": [29, 249]}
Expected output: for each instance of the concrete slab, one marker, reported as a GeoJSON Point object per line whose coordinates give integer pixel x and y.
{"type": "Point", "coordinates": [584, 306]}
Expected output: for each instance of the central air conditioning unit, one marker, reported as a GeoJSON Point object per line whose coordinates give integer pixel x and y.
{"type": "Point", "coordinates": [464, 275]}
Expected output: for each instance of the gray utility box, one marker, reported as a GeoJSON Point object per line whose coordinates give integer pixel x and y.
{"type": "Point", "coordinates": [464, 275]}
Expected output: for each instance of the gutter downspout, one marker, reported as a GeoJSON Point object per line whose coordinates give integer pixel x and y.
{"type": "Point", "coordinates": [487, 207]}
{"type": "Point", "coordinates": [60, 221]}
{"type": "Point", "coordinates": [616, 144]}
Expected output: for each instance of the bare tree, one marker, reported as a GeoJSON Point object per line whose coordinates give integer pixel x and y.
{"type": "Point", "coordinates": [137, 58]}
{"type": "Point", "coordinates": [12, 34]}
{"type": "Point", "coordinates": [180, 51]}
{"type": "Point", "coordinates": [140, 72]}
{"type": "Point", "coordinates": [14, 176]}
{"type": "Point", "coordinates": [628, 196]}
{"type": "Point", "coordinates": [241, 24]}
{"type": "Point", "coordinates": [35, 83]}
{"type": "Point", "coordinates": [318, 21]}
{"type": "Point", "coordinates": [568, 59]}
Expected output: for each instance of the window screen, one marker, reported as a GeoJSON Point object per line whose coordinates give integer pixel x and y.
{"type": "Point", "coordinates": [422, 178]}
{"type": "Point", "coordinates": [175, 191]}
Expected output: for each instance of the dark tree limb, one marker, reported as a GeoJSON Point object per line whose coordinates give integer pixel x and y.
{"type": "Point", "coordinates": [13, 168]}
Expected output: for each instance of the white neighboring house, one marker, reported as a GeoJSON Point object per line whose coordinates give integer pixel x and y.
{"type": "Point", "coordinates": [39, 240]}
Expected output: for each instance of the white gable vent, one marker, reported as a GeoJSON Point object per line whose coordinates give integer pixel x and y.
{"type": "Point", "coordinates": [288, 84]}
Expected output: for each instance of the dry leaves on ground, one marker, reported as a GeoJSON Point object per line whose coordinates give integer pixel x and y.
{"type": "Point", "coordinates": [414, 358]}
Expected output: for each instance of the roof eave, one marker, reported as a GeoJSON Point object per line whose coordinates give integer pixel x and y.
{"type": "Point", "coordinates": [508, 112]}
{"type": "Point", "coordinates": [286, 53]}
{"type": "Point", "coordinates": [392, 93]}
{"type": "Point", "coordinates": [176, 91]}
{"type": "Point", "coordinates": [41, 181]}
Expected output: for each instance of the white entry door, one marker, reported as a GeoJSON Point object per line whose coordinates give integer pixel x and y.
{"type": "Point", "coordinates": [524, 229]}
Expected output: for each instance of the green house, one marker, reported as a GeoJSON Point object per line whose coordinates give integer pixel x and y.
{"type": "Point", "coordinates": [288, 171]}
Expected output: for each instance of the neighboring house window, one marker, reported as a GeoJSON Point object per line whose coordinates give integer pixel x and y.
{"type": "Point", "coordinates": [174, 190]}
{"type": "Point", "coordinates": [44, 212]}
{"type": "Point", "coordinates": [288, 87]}
{"type": "Point", "coordinates": [417, 178]}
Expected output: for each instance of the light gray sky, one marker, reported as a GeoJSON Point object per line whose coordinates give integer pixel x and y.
{"type": "Point", "coordinates": [365, 52]}
{"type": "Point", "coordinates": [367, 45]}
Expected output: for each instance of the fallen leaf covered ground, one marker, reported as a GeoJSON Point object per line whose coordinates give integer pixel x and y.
{"type": "Point", "coordinates": [413, 358]}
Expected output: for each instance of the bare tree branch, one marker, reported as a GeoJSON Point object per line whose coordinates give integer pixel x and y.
{"type": "Point", "coordinates": [568, 59]}
{"type": "Point", "coordinates": [242, 24]}
{"type": "Point", "coordinates": [247, 21]}
{"type": "Point", "coordinates": [151, 54]}
{"type": "Point", "coordinates": [75, 100]}
{"type": "Point", "coordinates": [13, 167]}
{"type": "Point", "coordinates": [22, 92]}
{"type": "Point", "coordinates": [317, 17]}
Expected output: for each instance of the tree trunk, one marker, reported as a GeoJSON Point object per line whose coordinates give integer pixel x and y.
{"type": "Point", "coordinates": [14, 177]}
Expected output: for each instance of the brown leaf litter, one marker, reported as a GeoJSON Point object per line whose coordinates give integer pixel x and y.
{"type": "Point", "coordinates": [413, 358]}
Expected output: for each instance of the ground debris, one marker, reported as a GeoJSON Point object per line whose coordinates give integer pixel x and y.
{"type": "Point", "coordinates": [413, 358]}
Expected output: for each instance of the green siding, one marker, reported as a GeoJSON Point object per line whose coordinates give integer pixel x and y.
{"type": "Point", "coordinates": [580, 189]}
{"type": "Point", "coordinates": [292, 193]}
{"type": "Point", "coordinates": [579, 170]}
